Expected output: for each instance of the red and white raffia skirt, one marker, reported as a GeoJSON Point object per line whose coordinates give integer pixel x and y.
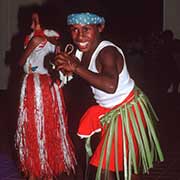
{"type": "Point", "coordinates": [42, 140]}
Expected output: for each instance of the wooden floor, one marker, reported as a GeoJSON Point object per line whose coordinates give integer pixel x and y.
{"type": "Point", "coordinates": [169, 131]}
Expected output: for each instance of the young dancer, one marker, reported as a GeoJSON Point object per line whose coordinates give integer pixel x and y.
{"type": "Point", "coordinates": [124, 115]}
{"type": "Point", "coordinates": [44, 146]}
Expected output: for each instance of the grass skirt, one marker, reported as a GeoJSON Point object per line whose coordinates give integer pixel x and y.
{"type": "Point", "coordinates": [42, 140]}
{"type": "Point", "coordinates": [128, 139]}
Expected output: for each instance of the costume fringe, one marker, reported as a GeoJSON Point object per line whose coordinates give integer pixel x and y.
{"type": "Point", "coordinates": [42, 141]}
{"type": "Point", "coordinates": [133, 112]}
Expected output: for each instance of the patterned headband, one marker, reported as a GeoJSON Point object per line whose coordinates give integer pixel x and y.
{"type": "Point", "coordinates": [84, 18]}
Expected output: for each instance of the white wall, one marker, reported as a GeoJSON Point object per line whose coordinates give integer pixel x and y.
{"type": "Point", "coordinates": [4, 40]}
{"type": "Point", "coordinates": [172, 16]}
{"type": "Point", "coordinates": [8, 24]}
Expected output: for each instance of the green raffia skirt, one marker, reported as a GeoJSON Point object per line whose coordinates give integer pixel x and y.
{"type": "Point", "coordinates": [128, 138]}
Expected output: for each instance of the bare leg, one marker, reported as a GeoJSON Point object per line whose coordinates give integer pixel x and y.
{"type": "Point", "coordinates": [31, 177]}
{"type": "Point", "coordinates": [111, 175]}
{"type": "Point", "coordinates": [47, 178]}
{"type": "Point", "coordinates": [136, 177]}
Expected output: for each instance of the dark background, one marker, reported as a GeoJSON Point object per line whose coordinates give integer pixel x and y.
{"type": "Point", "coordinates": [125, 19]}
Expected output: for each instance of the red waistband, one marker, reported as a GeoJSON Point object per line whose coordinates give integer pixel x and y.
{"type": "Point", "coordinates": [129, 98]}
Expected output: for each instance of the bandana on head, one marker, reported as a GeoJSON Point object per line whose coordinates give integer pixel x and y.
{"type": "Point", "coordinates": [84, 18]}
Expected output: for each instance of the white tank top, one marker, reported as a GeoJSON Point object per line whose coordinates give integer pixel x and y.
{"type": "Point", "coordinates": [125, 83]}
{"type": "Point", "coordinates": [36, 58]}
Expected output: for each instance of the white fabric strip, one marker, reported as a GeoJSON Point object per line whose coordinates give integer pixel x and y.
{"type": "Point", "coordinates": [39, 120]}
{"type": "Point", "coordinates": [20, 133]}
{"type": "Point", "coordinates": [65, 144]}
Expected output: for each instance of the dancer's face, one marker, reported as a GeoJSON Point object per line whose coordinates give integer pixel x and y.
{"type": "Point", "coordinates": [35, 22]}
{"type": "Point", "coordinates": [85, 36]}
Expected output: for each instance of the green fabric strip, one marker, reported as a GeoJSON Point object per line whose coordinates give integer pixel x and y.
{"type": "Point", "coordinates": [116, 148]}
{"type": "Point", "coordinates": [130, 140]}
{"type": "Point", "coordinates": [124, 150]}
{"type": "Point", "coordinates": [88, 146]}
{"type": "Point", "coordinates": [143, 136]}
{"type": "Point", "coordinates": [99, 169]}
{"type": "Point", "coordinates": [109, 144]}
{"type": "Point", "coordinates": [138, 138]}
{"type": "Point", "coordinates": [153, 133]}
